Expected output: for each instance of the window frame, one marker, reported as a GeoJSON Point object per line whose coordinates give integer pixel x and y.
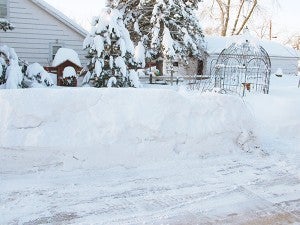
{"type": "Point", "coordinates": [7, 11]}
{"type": "Point", "coordinates": [51, 52]}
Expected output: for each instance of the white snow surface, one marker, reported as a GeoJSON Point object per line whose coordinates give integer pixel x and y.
{"type": "Point", "coordinates": [105, 119]}
{"type": "Point", "coordinates": [64, 54]}
{"type": "Point", "coordinates": [150, 156]}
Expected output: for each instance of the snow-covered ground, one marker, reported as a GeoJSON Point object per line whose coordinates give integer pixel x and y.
{"type": "Point", "coordinates": [150, 156]}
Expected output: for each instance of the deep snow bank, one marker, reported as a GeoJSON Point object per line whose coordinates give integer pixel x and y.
{"type": "Point", "coordinates": [279, 112]}
{"type": "Point", "coordinates": [120, 125]}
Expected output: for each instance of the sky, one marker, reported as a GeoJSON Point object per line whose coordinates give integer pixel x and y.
{"type": "Point", "coordinates": [286, 17]}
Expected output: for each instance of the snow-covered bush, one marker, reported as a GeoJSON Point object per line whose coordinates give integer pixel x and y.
{"type": "Point", "coordinates": [110, 49]}
{"type": "Point", "coordinates": [36, 77]}
{"type": "Point", "coordinates": [11, 75]}
{"type": "Point", "coordinates": [3, 67]}
{"type": "Point", "coordinates": [14, 76]}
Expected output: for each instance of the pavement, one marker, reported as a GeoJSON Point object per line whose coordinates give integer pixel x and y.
{"type": "Point", "coordinates": [238, 188]}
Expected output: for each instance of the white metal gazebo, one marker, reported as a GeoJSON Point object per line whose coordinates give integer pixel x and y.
{"type": "Point", "coordinates": [244, 66]}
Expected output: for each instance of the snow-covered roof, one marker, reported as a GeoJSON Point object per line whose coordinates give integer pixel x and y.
{"type": "Point", "coordinates": [64, 54]}
{"type": "Point", "coordinates": [215, 45]}
{"type": "Point", "coordinates": [60, 16]}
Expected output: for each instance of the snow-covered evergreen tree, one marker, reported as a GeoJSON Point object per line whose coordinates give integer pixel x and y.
{"type": "Point", "coordinates": [36, 77]}
{"type": "Point", "coordinates": [176, 31]}
{"type": "Point", "coordinates": [167, 28]}
{"type": "Point", "coordinates": [110, 49]}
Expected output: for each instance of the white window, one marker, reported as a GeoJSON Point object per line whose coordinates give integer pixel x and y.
{"type": "Point", "coordinates": [3, 8]}
{"type": "Point", "coordinates": [54, 48]}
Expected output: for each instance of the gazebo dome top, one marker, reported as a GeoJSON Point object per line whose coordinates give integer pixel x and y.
{"type": "Point", "coordinates": [245, 48]}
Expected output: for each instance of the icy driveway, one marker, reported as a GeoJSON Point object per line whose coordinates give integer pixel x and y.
{"type": "Point", "coordinates": [245, 188]}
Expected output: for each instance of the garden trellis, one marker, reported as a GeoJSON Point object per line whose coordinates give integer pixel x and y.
{"type": "Point", "coordinates": [243, 67]}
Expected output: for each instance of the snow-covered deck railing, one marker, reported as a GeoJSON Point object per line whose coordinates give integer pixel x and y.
{"type": "Point", "coordinates": [171, 79]}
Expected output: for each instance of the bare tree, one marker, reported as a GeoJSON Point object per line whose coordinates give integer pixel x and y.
{"type": "Point", "coordinates": [293, 40]}
{"type": "Point", "coordinates": [230, 17]}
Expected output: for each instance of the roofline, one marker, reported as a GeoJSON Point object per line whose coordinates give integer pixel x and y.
{"type": "Point", "coordinates": [294, 55]}
{"type": "Point", "coordinates": [61, 17]}
{"type": "Point", "coordinates": [271, 56]}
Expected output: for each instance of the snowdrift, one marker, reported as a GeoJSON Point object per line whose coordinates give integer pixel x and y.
{"type": "Point", "coordinates": [104, 127]}
{"type": "Point", "coordinates": [278, 113]}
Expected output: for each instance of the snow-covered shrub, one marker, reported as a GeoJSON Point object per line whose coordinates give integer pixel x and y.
{"type": "Point", "coordinates": [36, 77]}
{"type": "Point", "coordinates": [3, 67]}
{"type": "Point", "coordinates": [14, 76]}
{"type": "Point", "coordinates": [11, 75]}
{"type": "Point", "coordinates": [110, 49]}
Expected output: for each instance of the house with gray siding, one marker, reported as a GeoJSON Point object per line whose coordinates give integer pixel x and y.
{"type": "Point", "coordinates": [282, 57]}
{"type": "Point", "coordinates": [40, 30]}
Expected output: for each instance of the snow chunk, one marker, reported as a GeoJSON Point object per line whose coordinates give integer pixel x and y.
{"type": "Point", "coordinates": [9, 53]}
{"type": "Point", "coordinates": [279, 72]}
{"type": "Point", "coordinates": [69, 72]}
{"type": "Point", "coordinates": [134, 79]}
{"type": "Point", "coordinates": [112, 81]}
{"type": "Point", "coordinates": [14, 76]}
{"type": "Point", "coordinates": [168, 44]}
{"type": "Point", "coordinates": [120, 63]}
{"type": "Point", "coordinates": [139, 54]}
{"type": "Point", "coordinates": [64, 54]}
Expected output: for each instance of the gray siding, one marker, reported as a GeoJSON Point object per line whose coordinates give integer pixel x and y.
{"type": "Point", "coordinates": [36, 30]}
{"type": "Point", "coordinates": [288, 65]}
{"type": "Point", "coordinates": [183, 69]}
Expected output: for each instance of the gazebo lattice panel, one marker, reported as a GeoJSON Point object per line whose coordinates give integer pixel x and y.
{"type": "Point", "coordinates": [243, 67]}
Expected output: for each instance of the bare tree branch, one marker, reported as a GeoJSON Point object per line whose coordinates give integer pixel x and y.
{"type": "Point", "coordinates": [247, 17]}
{"type": "Point", "coordinates": [238, 16]}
